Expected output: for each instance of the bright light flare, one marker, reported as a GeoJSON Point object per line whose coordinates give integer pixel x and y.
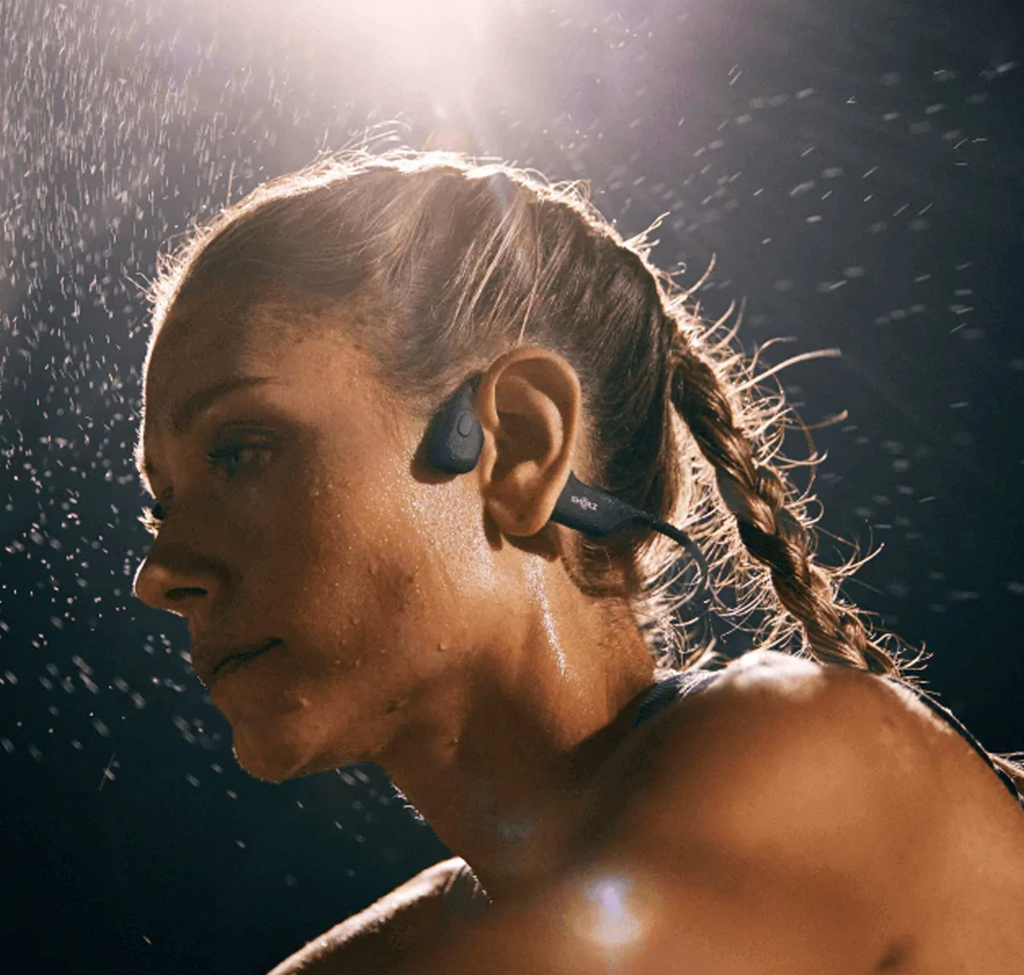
{"type": "Point", "coordinates": [613, 913]}
{"type": "Point", "coordinates": [408, 36]}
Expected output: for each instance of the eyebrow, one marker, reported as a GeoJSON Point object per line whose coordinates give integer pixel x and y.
{"type": "Point", "coordinates": [198, 403]}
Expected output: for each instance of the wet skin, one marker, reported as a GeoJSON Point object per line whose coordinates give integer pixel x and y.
{"type": "Point", "coordinates": [423, 622]}
{"type": "Point", "coordinates": [785, 821]}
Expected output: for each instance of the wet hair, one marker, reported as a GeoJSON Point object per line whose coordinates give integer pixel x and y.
{"type": "Point", "coordinates": [440, 264]}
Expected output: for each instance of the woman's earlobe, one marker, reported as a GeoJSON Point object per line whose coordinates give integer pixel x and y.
{"type": "Point", "coordinates": [520, 509]}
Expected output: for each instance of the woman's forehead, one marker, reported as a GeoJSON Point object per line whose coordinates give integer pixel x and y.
{"type": "Point", "coordinates": [211, 337]}
{"type": "Point", "coordinates": [195, 353]}
{"type": "Point", "coordinates": [210, 329]}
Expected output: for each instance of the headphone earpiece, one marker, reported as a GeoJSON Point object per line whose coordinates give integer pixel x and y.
{"type": "Point", "coordinates": [454, 438]}
{"type": "Point", "coordinates": [452, 445]}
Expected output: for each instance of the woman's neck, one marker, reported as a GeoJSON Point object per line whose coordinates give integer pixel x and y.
{"type": "Point", "coordinates": [503, 760]}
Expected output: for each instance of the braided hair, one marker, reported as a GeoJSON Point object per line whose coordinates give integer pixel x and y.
{"type": "Point", "coordinates": [773, 534]}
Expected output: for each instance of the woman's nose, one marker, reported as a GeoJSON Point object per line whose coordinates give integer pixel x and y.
{"type": "Point", "coordinates": [178, 582]}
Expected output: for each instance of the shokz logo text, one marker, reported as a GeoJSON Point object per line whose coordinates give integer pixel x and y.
{"type": "Point", "coordinates": [584, 503]}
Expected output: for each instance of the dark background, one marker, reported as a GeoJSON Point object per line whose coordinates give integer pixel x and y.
{"type": "Point", "coordinates": [854, 167]}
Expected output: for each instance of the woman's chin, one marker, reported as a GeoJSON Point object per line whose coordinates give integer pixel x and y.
{"type": "Point", "coordinates": [271, 760]}
{"type": "Point", "coordinates": [276, 758]}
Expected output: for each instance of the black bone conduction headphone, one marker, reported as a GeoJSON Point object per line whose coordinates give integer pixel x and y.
{"type": "Point", "coordinates": [452, 445]}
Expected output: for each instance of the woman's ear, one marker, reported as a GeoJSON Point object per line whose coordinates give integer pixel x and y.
{"type": "Point", "coordinates": [528, 403]}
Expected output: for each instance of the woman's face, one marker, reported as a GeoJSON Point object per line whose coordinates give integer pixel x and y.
{"type": "Point", "coordinates": [295, 532]}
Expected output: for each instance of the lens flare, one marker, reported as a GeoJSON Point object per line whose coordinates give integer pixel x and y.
{"type": "Point", "coordinates": [613, 913]}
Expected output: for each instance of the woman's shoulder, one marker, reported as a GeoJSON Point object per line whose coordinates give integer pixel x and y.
{"type": "Point", "coordinates": [803, 705]}
{"type": "Point", "coordinates": [759, 686]}
{"type": "Point", "coordinates": [778, 750]}
{"type": "Point", "coordinates": [402, 922]}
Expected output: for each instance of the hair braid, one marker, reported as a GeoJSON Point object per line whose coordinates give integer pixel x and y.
{"type": "Point", "coordinates": [757, 496]}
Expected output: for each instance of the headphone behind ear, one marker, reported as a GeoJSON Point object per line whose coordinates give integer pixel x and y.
{"type": "Point", "coordinates": [452, 445]}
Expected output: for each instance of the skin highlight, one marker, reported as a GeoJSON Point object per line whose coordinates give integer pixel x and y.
{"type": "Point", "coordinates": [426, 623]}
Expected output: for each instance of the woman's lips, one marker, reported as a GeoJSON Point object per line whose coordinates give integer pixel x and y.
{"type": "Point", "coordinates": [240, 659]}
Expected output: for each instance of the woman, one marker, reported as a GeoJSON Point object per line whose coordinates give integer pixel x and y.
{"type": "Point", "coordinates": [527, 685]}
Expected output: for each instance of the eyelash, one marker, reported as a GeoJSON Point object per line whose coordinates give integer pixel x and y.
{"type": "Point", "coordinates": [220, 458]}
{"type": "Point", "coordinates": [152, 517]}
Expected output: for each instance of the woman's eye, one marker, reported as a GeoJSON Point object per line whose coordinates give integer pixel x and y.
{"type": "Point", "coordinates": [233, 456]}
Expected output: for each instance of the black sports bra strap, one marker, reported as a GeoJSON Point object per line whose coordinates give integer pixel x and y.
{"type": "Point", "coordinates": [951, 719]}
{"type": "Point", "coordinates": [672, 688]}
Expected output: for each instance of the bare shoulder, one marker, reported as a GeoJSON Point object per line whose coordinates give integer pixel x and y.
{"type": "Point", "coordinates": [783, 757]}
{"type": "Point", "coordinates": [867, 719]}
{"type": "Point", "coordinates": [788, 814]}
{"type": "Point", "coordinates": [405, 920]}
